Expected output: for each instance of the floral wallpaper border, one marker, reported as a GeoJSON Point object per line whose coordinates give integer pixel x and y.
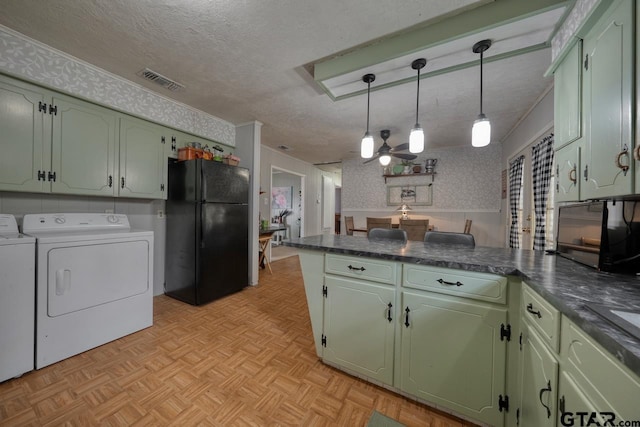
{"type": "Point", "coordinates": [26, 58]}
{"type": "Point", "coordinates": [568, 28]}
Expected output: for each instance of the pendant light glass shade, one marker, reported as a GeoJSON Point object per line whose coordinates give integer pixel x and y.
{"type": "Point", "coordinates": [416, 140]}
{"type": "Point", "coordinates": [481, 131]}
{"type": "Point", "coordinates": [385, 159]}
{"type": "Point", "coordinates": [416, 137]}
{"type": "Point", "coordinates": [366, 146]}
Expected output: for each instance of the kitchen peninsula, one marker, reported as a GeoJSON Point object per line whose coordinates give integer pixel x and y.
{"type": "Point", "coordinates": [498, 336]}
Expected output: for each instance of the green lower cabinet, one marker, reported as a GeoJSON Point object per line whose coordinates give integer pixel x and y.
{"type": "Point", "coordinates": [452, 354]}
{"type": "Point", "coordinates": [359, 321]}
{"type": "Point", "coordinates": [601, 379]}
{"type": "Point", "coordinates": [538, 381]}
{"type": "Point", "coordinates": [574, 408]}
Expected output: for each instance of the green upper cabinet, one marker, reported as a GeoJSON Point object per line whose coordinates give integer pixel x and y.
{"type": "Point", "coordinates": [83, 148]}
{"type": "Point", "coordinates": [608, 74]}
{"type": "Point", "coordinates": [143, 164]}
{"type": "Point", "coordinates": [452, 354]}
{"type": "Point", "coordinates": [359, 321]}
{"type": "Point", "coordinates": [568, 98]}
{"type": "Point", "coordinates": [538, 381]}
{"type": "Point", "coordinates": [24, 136]}
{"type": "Point", "coordinates": [567, 160]}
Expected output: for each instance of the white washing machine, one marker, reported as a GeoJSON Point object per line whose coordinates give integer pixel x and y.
{"type": "Point", "coordinates": [17, 299]}
{"type": "Point", "coordinates": [94, 282]}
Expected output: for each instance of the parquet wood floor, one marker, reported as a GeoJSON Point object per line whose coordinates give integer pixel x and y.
{"type": "Point", "coordinates": [245, 360]}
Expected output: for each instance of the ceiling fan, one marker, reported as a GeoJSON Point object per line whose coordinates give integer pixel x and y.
{"type": "Point", "coordinates": [386, 149]}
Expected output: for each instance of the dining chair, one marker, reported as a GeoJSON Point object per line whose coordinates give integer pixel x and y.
{"type": "Point", "coordinates": [467, 226]}
{"type": "Point", "coordinates": [415, 228]}
{"type": "Point", "coordinates": [448, 237]}
{"type": "Point", "coordinates": [348, 225]}
{"type": "Point", "coordinates": [378, 223]}
{"type": "Point", "coordinates": [387, 233]}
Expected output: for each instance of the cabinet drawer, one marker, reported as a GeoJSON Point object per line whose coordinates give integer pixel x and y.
{"type": "Point", "coordinates": [362, 268]}
{"type": "Point", "coordinates": [544, 317]}
{"type": "Point", "coordinates": [604, 381]}
{"type": "Point", "coordinates": [468, 284]}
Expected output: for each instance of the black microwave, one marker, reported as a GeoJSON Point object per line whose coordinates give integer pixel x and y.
{"type": "Point", "coordinates": [604, 235]}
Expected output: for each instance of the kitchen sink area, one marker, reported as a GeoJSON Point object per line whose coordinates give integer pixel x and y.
{"type": "Point", "coordinates": [625, 319]}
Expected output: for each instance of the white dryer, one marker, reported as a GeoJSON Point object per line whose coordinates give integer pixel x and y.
{"type": "Point", "coordinates": [94, 282]}
{"type": "Point", "coordinates": [17, 299]}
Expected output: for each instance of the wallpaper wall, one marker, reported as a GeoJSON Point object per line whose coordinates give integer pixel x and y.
{"type": "Point", "coordinates": [467, 179]}
{"type": "Point", "coordinates": [568, 28]}
{"type": "Point", "coordinates": [25, 58]}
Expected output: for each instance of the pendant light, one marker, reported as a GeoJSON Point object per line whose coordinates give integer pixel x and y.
{"type": "Point", "coordinates": [481, 132]}
{"type": "Point", "coordinates": [416, 137]}
{"type": "Point", "coordinates": [366, 146]}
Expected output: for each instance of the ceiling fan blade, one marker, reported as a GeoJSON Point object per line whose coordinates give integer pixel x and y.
{"type": "Point", "coordinates": [401, 147]}
{"type": "Point", "coordinates": [404, 156]}
{"type": "Point", "coordinates": [371, 159]}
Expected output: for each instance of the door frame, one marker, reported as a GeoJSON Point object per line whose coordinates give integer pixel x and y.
{"type": "Point", "coordinates": [302, 193]}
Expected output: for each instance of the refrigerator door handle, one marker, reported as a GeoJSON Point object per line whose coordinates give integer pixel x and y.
{"type": "Point", "coordinates": [201, 228]}
{"type": "Point", "coordinates": [203, 186]}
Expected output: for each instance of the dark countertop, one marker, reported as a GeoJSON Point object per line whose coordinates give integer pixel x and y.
{"type": "Point", "coordinates": [272, 229]}
{"type": "Point", "coordinates": [567, 285]}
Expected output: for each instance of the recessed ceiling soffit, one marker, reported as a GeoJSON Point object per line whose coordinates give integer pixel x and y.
{"type": "Point", "coordinates": [520, 28]}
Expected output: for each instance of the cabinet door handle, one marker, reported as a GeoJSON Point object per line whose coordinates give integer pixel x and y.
{"type": "Point", "coordinates": [356, 268]}
{"type": "Point", "coordinates": [444, 282]}
{"type": "Point", "coordinates": [586, 173]}
{"type": "Point", "coordinates": [561, 405]}
{"type": "Point", "coordinates": [389, 306]}
{"type": "Point", "coordinates": [542, 391]}
{"type": "Point", "coordinates": [122, 182]}
{"type": "Point", "coordinates": [110, 181]}
{"type": "Point", "coordinates": [572, 175]}
{"type": "Point", "coordinates": [532, 311]}
{"type": "Point", "coordinates": [406, 318]}
{"type": "Point", "coordinates": [619, 165]}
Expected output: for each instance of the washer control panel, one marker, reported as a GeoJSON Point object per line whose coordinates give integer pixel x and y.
{"type": "Point", "coordinates": [74, 222]}
{"type": "Point", "coordinates": [8, 224]}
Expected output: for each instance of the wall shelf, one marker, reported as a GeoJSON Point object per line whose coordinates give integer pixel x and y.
{"type": "Point", "coordinates": [405, 175]}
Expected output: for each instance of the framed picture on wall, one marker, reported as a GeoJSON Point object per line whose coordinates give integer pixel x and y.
{"type": "Point", "coordinates": [417, 195]}
{"type": "Point", "coordinates": [281, 197]}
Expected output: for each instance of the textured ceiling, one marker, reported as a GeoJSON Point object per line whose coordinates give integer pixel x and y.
{"type": "Point", "coordinates": [244, 60]}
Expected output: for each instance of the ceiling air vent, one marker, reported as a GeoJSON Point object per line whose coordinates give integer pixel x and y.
{"type": "Point", "coordinates": [159, 79]}
{"type": "Point", "coordinates": [284, 147]}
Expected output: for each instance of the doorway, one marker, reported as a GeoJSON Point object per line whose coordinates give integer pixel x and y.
{"type": "Point", "coordinates": [525, 211]}
{"type": "Point", "coordinates": [286, 208]}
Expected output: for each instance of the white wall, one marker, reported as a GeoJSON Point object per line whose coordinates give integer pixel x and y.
{"type": "Point", "coordinates": [466, 186]}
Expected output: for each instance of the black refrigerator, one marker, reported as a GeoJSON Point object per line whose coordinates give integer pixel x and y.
{"type": "Point", "coordinates": [207, 241]}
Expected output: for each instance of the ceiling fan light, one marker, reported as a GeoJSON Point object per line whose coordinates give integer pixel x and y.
{"type": "Point", "coordinates": [366, 147]}
{"type": "Point", "coordinates": [385, 159]}
{"type": "Point", "coordinates": [481, 132]}
{"type": "Point", "coordinates": [416, 139]}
